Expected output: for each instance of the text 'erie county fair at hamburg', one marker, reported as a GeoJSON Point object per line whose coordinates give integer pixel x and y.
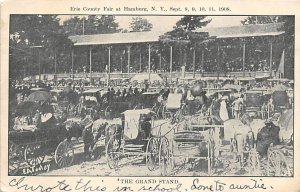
{"type": "Point", "coordinates": [144, 9]}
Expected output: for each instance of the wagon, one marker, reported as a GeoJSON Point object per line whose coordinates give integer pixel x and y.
{"type": "Point", "coordinates": [30, 147]}
{"type": "Point", "coordinates": [254, 100]}
{"type": "Point", "coordinates": [29, 144]}
{"type": "Point", "coordinates": [151, 100]}
{"type": "Point", "coordinates": [174, 107]}
{"type": "Point", "coordinates": [91, 100]}
{"type": "Point", "coordinates": [148, 100]}
{"type": "Point", "coordinates": [64, 104]}
{"type": "Point", "coordinates": [280, 158]}
{"type": "Point", "coordinates": [137, 137]}
{"type": "Point", "coordinates": [116, 106]}
{"type": "Point", "coordinates": [279, 162]}
{"type": "Point", "coordinates": [280, 101]}
{"type": "Point", "coordinates": [190, 142]}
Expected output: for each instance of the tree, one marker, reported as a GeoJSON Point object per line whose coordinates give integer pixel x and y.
{"type": "Point", "coordinates": [92, 24]}
{"type": "Point", "coordinates": [261, 20]}
{"type": "Point", "coordinates": [139, 24]}
{"type": "Point", "coordinates": [289, 36]}
{"type": "Point", "coordinates": [33, 37]}
{"type": "Point", "coordinates": [74, 26]}
{"type": "Point", "coordinates": [184, 37]}
{"type": "Point", "coordinates": [289, 45]}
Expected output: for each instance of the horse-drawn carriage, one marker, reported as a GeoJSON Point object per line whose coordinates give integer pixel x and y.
{"type": "Point", "coordinates": [31, 147]}
{"type": "Point", "coordinates": [148, 100]}
{"type": "Point", "coordinates": [190, 143]}
{"type": "Point", "coordinates": [201, 138]}
{"type": "Point", "coordinates": [137, 136]}
{"type": "Point", "coordinates": [31, 140]}
{"type": "Point", "coordinates": [279, 159]}
{"type": "Point", "coordinates": [90, 100]}
{"type": "Point", "coordinates": [280, 101]}
{"type": "Point", "coordinates": [174, 107]}
{"type": "Point", "coordinates": [254, 102]}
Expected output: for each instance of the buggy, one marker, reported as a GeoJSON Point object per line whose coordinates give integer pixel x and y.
{"type": "Point", "coordinates": [174, 108]}
{"type": "Point", "coordinates": [254, 100]}
{"type": "Point", "coordinates": [280, 101]}
{"type": "Point", "coordinates": [31, 146]}
{"type": "Point", "coordinates": [137, 136]}
{"type": "Point", "coordinates": [280, 157]}
{"type": "Point", "coordinates": [195, 138]}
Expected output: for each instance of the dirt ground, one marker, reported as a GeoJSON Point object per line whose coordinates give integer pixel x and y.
{"type": "Point", "coordinates": [226, 164]}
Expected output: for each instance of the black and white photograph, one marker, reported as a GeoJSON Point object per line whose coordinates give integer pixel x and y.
{"type": "Point", "coordinates": [151, 95]}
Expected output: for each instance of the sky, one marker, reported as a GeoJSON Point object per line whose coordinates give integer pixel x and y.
{"type": "Point", "coordinates": [166, 23]}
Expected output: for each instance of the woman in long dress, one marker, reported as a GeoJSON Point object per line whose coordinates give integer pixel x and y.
{"type": "Point", "coordinates": [223, 109]}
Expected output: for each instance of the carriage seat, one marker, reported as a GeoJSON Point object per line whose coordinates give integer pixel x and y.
{"type": "Point", "coordinates": [188, 136]}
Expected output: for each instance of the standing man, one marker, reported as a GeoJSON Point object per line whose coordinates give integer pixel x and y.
{"type": "Point", "coordinates": [238, 106]}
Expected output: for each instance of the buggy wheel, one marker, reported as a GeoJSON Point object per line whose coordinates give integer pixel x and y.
{"type": "Point", "coordinates": [112, 152]}
{"type": "Point", "coordinates": [165, 113]}
{"type": "Point", "coordinates": [15, 156]}
{"type": "Point", "coordinates": [34, 154]}
{"type": "Point", "coordinates": [165, 157]}
{"type": "Point", "coordinates": [277, 164]}
{"type": "Point", "coordinates": [152, 158]}
{"type": "Point", "coordinates": [64, 154]}
{"type": "Point", "coordinates": [253, 163]}
{"type": "Point", "coordinates": [211, 155]}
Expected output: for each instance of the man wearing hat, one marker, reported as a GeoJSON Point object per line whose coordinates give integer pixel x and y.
{"type": "Point", "coordinates": [88, 139]}
{"type": "Point", "coordinates": [267, 135]}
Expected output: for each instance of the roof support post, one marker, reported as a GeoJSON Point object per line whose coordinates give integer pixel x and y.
{"type": "Point", "coordinates": [55, 64]}
{"type": "Point", "coordinates": [171, 62]}
{"type": "Point", "coordinates": [121, 63]}
{"type": "Point", "coordinates": [90, 64]}
{"type": "Point", "coordinates": [271, 56]}
{"type": "Point", "coordinates": [39, 64]}
{"type": "Point", "coordinates": [218, 60]}
{"type": "Point", "coordinates": [160, 61]}
{"type": "Point", "coordinates": [140, 61]}
{"type": "Point", "coordinates": [149, 61]}
{"type": "Point", "coordinates": [128, 61]}
{"type": "Point", "coordinates": [244, 55]}
{"type": "Point", "coordinates": [202, 62]}
{"type": "Point", "coordinates": [72, 57]}
{"type": "Point", "coordinates": [194, 61]}
{"type": "Point", "coordinates": [108, 70]}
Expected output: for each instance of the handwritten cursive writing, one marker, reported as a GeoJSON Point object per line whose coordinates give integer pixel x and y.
{"type": "Point", "coordinates": [21, 184]}
{"type": "Point", "coordinates": [86, 186]}
{"type": "Point", "coordinates": [159, 188]}
{"type": "Point", "coordinates": [253, 185]}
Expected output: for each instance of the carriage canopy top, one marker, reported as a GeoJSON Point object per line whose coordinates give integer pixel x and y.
{"type": "Point", "coordinates": [144, 76]}
{"type": "Point", "coordinates": [92, 91]}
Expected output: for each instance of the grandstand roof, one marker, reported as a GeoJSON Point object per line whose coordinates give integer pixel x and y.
{"type": "Point", "coordinates": [272, 29]}
{"type": "Point", "coordinates": [116, 38]}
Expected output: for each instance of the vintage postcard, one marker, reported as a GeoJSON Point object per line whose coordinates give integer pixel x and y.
{"type": "Point", "coordinates": [149, 96]}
